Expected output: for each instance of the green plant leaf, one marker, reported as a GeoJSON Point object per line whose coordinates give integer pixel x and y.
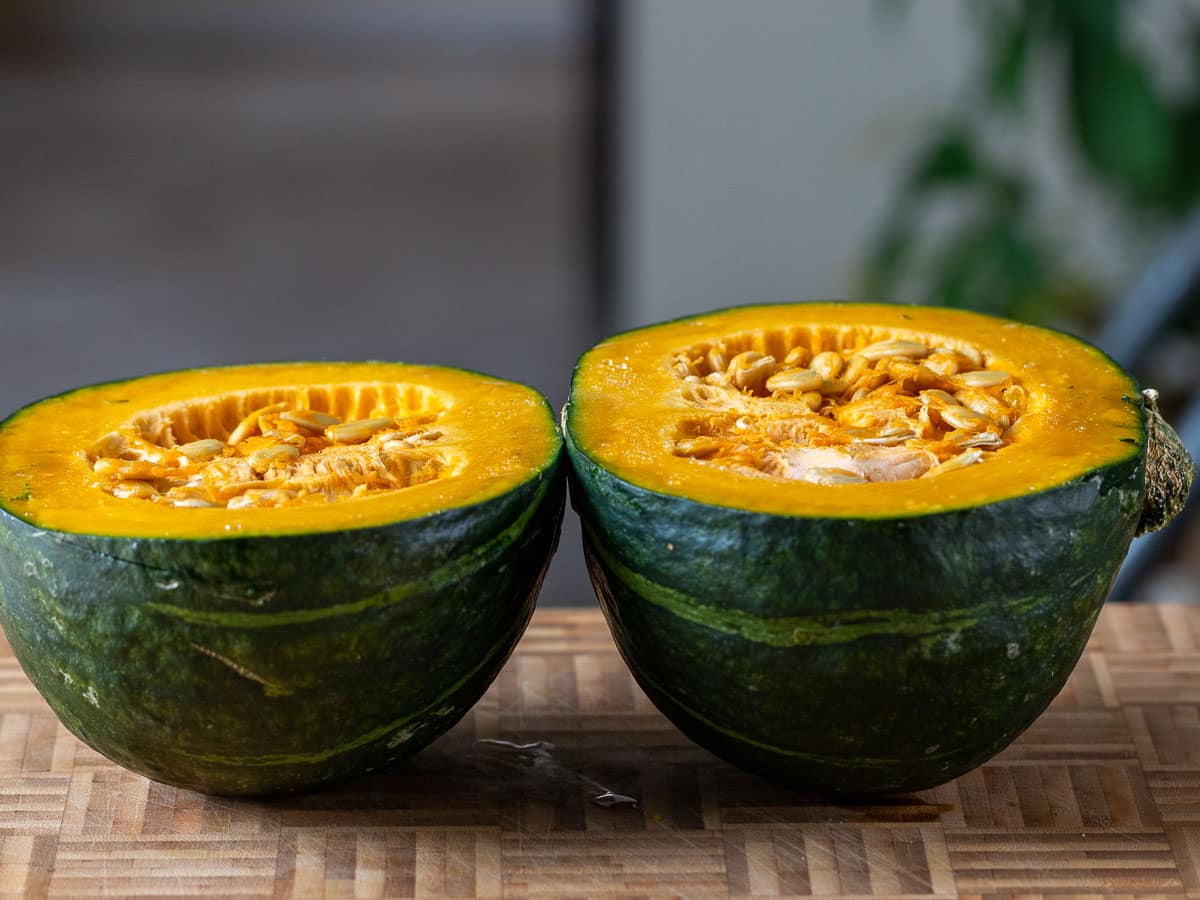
{"type": "Point", "coordinates": [1121, 123]}
{"type": "Point", "coordinates": [1008, 42]}
{"type": "Point", "coordinates": [1183, 191]}
{"type": "Point", "coordinates": [949, 159]}
{"type": "Point", "coordinates": [1095, 21]}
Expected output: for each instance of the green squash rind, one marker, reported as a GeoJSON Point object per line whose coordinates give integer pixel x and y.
{"type": "Point", "coordinates": [265, 665]}
{"type": "Point", "coordinates": [855, 655]}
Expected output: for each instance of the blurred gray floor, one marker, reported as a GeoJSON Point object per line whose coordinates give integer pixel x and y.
{"type": "Point", "coordinates": [159, 214]}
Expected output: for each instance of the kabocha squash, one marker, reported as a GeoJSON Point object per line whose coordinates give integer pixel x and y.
{"type": "Point", "coordinates": [264, 578]}
{"type": "Point", "coordinates": [858, 546]}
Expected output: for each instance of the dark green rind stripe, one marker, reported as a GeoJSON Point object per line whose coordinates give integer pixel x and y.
{"type": "Point", "coordinates": [452, 571]}
{"type": "Point", "coordinates": [805, 631]}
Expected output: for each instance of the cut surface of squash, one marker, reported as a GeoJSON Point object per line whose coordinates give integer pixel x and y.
{"type": "Point", "coordinates": [271, 448]}
{"type": "Point", "coordinates": [851, 409]}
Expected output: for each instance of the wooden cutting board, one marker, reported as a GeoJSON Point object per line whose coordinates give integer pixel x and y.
{"type": "Point", "coordinates": [1101, 795]}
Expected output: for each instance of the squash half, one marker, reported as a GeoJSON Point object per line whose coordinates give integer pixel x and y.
{"type": "Point", "coordinates": [856, 546]}
{"type": "Point", "coordinates": [263, 578]}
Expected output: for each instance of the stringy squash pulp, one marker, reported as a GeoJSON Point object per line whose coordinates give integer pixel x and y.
{"type": "Point", "coordinates": [766, 408]}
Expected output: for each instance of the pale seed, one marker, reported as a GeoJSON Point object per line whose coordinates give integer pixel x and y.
{"type": "Point", "coordinates": [832, 476]}
{"type": "Point", "coordinates": [751, 369]}
{"type": "Point", "coordinates": [263, 459]}
{"type": "Point", "coordinates": [832, 387]}
{"type": "Point", "coordinates": [856, 368]}
{"type": "Point", "coordinates": [935, 394]}
{"type": "Point", "coordinates": [961, 418]}
{"type": "Point", "coordinates": [984, 378]}
{"type": "Point", "coordinates": [797, 357]}
{"type": "Point", "coordinates": [972, 354]}
{"type": "Point", "coordinates": [249, 423]}
{"type": "Point", "coordinates": [205, 448]}
{"type": "Point", "coordinates": [716, 359]}
{"type": "Point", "coordinates": [795, 380]}
{"type": "Point", "coordinates": [828, 363]}
{"type": "Point", "coordinates": [357, 431]}
{"type": "Point", "coordinates": [884, 349]}
{"type": "Point", "coordinates": [886, 440]}
{"type": "Point", "coordinates": [193, 503]}
{"type": "Point", "coordinates": [310, 419]}
{"type": "Point", "coordinates": [812, 399]}
{"type": "Point", "coordinates": [964, 459]}
{"type": "Point", "coordinates": [983, 439]}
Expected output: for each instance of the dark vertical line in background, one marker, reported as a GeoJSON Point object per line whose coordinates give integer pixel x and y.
{"type": "Point", "coordinates": [602, 170]}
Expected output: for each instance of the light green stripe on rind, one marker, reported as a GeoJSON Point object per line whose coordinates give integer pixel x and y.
{"type": "Point", "coordinates": [807, 631]}
{"type": "Point", "coordinates": [375, 734]}
{"type": "Point", "coordinates": [441, 577]}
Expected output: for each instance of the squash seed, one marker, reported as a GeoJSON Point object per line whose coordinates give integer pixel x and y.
{"type": "Point", "coordinates": [884, 349]}
{"type": "Point", "coordinates": [972, 354]}
{"type": "Point", "coordinates": [249, 424]}
{"type": "Point", "coordinates": [795, 380]}
{"type": "Point", "coordinates": [750, 370]}
{"type": "Point", "coordinates": [939, 395]}
{"type": "Point", "coordinates": [959, 417]}
{"type": "Point", "coordinates": [205, 448]}
{"type": "Point", "coordinates": [856, 369]}
{"type": "Point", "coordinates": [357, 431]}
{"type": "Point", "coordinates": [817, 475]}
{"type": "Point", "coordinates": [310, 419]}
{"type": "Point", "coordinates": [716, 359]}
{"type": "Point", "coordinates": [967, 458]}
{"type": "Point", "coordinates": [812, 399]}
{"type": "Point", "coordinates": [262, 459]}
{"type": "Point", "coordinates": [984, 439]}
{"type": "Point", "coordinates": [984, 378]}
{"type": "Point", "coordinates": [797, 357]}
{"type": "Point", "coordinates": [828, 363]}
{"type": "Point", "coordinates": [888, 440]}
{"type": "Point", "coordinates": [193, 503]}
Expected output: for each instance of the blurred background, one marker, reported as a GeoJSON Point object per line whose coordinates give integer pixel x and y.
{"type": "Point", "coordinates": [497, 185]}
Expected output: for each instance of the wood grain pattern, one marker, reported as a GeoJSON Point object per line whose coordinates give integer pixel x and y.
{"type": "Point", "coordinates": [1100, 796]}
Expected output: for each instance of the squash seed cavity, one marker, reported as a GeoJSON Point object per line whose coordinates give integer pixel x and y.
{"type": "Point", "coordinates": [266, 449]}
{"type": "Point", "coordinates": [843, 407]}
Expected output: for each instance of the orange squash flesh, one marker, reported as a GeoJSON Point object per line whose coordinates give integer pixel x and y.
{"type": "Point", "coordinates": [631, 407]}
{"type": "Point", "coordinates": [489, 436]}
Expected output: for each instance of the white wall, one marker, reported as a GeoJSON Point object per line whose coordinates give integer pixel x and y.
{"type": "Point", "coordinates": [760, 140]}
